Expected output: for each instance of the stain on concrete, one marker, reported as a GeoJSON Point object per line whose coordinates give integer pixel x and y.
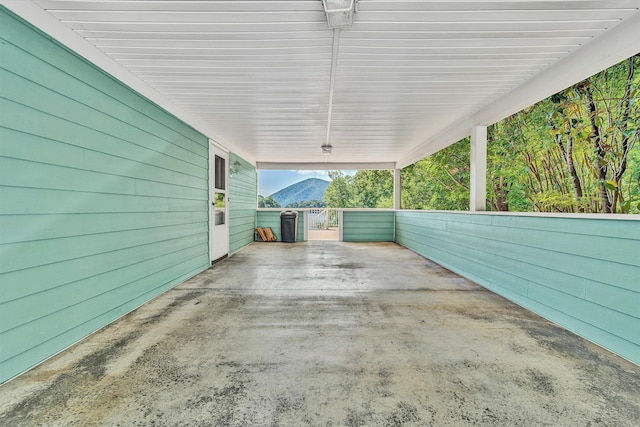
{"type": "Point", "coordinates": [403, 414]}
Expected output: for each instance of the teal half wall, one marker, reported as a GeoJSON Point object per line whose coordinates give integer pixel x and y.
{"type": "Point", "coordinates": [582, 273]}
{"type": "Point", "coordinates": [103, 198]}
{"type": "Point", "coordinates": [243, 195]}
{"type": "Point", "coordinates": [367, 226]}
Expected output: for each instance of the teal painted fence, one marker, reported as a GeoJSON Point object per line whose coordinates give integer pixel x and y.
{"type": "Point", "coordinates": [103, 198]}
{"type": "Point", "coordinates": [243, 195]}
{"type": "Point", "coordinates": [272, 219]}
{"type": "Point", "coordinates": [582, 273]}
{"type": "Point", "coordinates": [367, 226]}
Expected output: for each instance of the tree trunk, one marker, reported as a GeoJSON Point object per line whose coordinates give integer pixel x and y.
{"type": "Point", "coordinates": [567, 157]}
{"type": "Point", "coordinates": [500, 192]}
{"type": "Point", "coordinates": [626, 136]}
{"type": "Point", "coordinates": [601, 163]}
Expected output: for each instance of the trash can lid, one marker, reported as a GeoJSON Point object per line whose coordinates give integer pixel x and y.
{"type": "Point", "coordinates": [288, 213]}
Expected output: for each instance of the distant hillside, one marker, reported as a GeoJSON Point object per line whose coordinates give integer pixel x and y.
{"type": "Point", "coordinates": [309, 189]}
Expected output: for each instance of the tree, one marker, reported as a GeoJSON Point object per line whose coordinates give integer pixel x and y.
{"type": "Point", "coordinates": [267, 202]}
{"type": "Point", "coordinates": [339, 193]}
{"type": "Point", "coordinates": [365, 189]}
{"type": "Point", "coordinates": [576, 151]}
{"type": "Point", "coordinates": [440, 181]}
{"type": "Point", "coordinates": [373, 189]}
{"type": "Point", "coordinates": [308, 204]}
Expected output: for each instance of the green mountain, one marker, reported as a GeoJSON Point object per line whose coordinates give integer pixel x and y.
{"type": "Point", "coordinates": [309, 189]}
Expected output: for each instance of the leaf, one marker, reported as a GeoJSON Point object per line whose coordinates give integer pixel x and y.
{"type": "Point", "coordinates": [625, 206]}
{"type": "Point", "coordinates": [611, 185]}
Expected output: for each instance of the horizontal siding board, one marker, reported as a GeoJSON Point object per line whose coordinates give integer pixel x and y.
{"type": "Point", "coordinates": [578, 266]}
{"type": "Point", "coordinates": [42, 134]}
{"type": "Point", "coordinates": [98, 126]}
{"type": "Point", "coordinates": [17, 256]}
{"type": "Point", "coordinates": [567, 272]}
{"type": "Point", "coordinates": [115, 303]}
{"type": "Point", "coordinates": [49, 276]}
{"type": "Point", "coordinates": [104, 198]}
{"type": "Point", "coordinates": [43, 74]}
{"type": "Point", "coordinates": [588, 226]}
{"type": "Point", "coordinates": [620, 250]}
{"type": "Point", "coordinates": [21, 35]}
{"type": "Point", "coordinates": [360, 226]}
{"type": "Point", "coordinates": [40, 98]}
{"type": "Point", "coordinates": [595, 334]}
{"type": "Point", "coordinates": [622, 300]}
{"type": "Point", "coordinates": [23, 173]}
{"type": "Point", "coordinates": [28, 201]}
{"type": "Point", "coordinates": [69, 111]}
{"type": "Point", "coordinates": [625, 326]}
{"type": "Point", "coordinates": [556, 271]}
{"type": "Point", "coordinates": [242, 203]}
{"type": "Point", "coordinates": [20, 228]}
{"type": "Point", "coordinates": [54, 299]}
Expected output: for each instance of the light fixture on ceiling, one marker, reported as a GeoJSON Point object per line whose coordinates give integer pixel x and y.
{"type": "Point", "coordinates": [326, 149]}
{"type": "Point", "coordinates": [339, 12]}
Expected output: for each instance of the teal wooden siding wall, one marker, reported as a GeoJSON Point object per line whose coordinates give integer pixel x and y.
{"type": "Point", "coordinates": [581, 273]}
{"type": "Point", "coordinates": [367, 226]}
{"type": "Point", "coordinates": [243, 194]}
{"type": "Point", "coordinates": [272, 219]}
{"type": "Point", "coordinates": [103, 198]}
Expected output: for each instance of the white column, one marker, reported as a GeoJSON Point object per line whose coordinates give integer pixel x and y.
{"type": "Point", "coordinates": [397, 190]}
{"type": "Point", "coordinates": [478, 199]}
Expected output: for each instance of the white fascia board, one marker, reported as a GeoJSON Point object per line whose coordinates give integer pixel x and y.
{"type": "Point", "coordinates": [611, 47]}
{"type": "Point", "coordinates": [325, 166]}
{"type": "Point", "coordinates": [41, 19]}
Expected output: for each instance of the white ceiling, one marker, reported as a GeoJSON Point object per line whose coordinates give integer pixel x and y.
{"type": "Point", "coordinates": [410, 76]}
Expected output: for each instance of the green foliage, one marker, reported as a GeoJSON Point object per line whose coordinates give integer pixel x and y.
{"type": "Point", "coordinates": [219, 199]}
{"type": "Point", "coordinates": [440, 181]}
{"type": "Point", "coordinates": [339, 193]}
{"type": "Point", "coordinates": [373, 188]}
{"type": "Point", "coordinates": [267, 202]}
{"type": "Point", "coordinates": [307, 204]}
{"type": "Point", "coordinates": [365, 189]}
{"type": "Point", "coordinates": [576, 151]}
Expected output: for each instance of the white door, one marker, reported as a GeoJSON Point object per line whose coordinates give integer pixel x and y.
{"type": "Point", "coordinates": [219, 227]}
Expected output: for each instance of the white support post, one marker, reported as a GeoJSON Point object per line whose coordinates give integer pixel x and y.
{"type": "Point", "coordinates": [397, 190]}
{"type": "Point", "coordinates": [478, 196]}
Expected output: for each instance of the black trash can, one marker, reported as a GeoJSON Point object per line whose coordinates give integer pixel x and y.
{"type": "Point", "coordinates": [288, 226]}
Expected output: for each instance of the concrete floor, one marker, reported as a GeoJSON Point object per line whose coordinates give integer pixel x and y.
{"type": "Point", "coordinates": [328, 334]}
{"type": "Point", "coordinates": [329, 234]}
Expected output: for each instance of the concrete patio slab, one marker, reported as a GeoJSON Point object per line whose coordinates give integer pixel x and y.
{"type": "Point", "coordinates": [328, 334]}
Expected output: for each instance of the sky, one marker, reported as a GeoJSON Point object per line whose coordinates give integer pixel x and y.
{"type": "Point", "coordinates": [270, 181]}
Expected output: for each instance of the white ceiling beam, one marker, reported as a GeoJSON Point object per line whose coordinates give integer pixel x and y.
{"type": "Point", "coordinates": [332, 80]}
{"type": "Point", "coordinates": [325, 166]}
{"type": "Point", "coordinates": [609, 48]}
